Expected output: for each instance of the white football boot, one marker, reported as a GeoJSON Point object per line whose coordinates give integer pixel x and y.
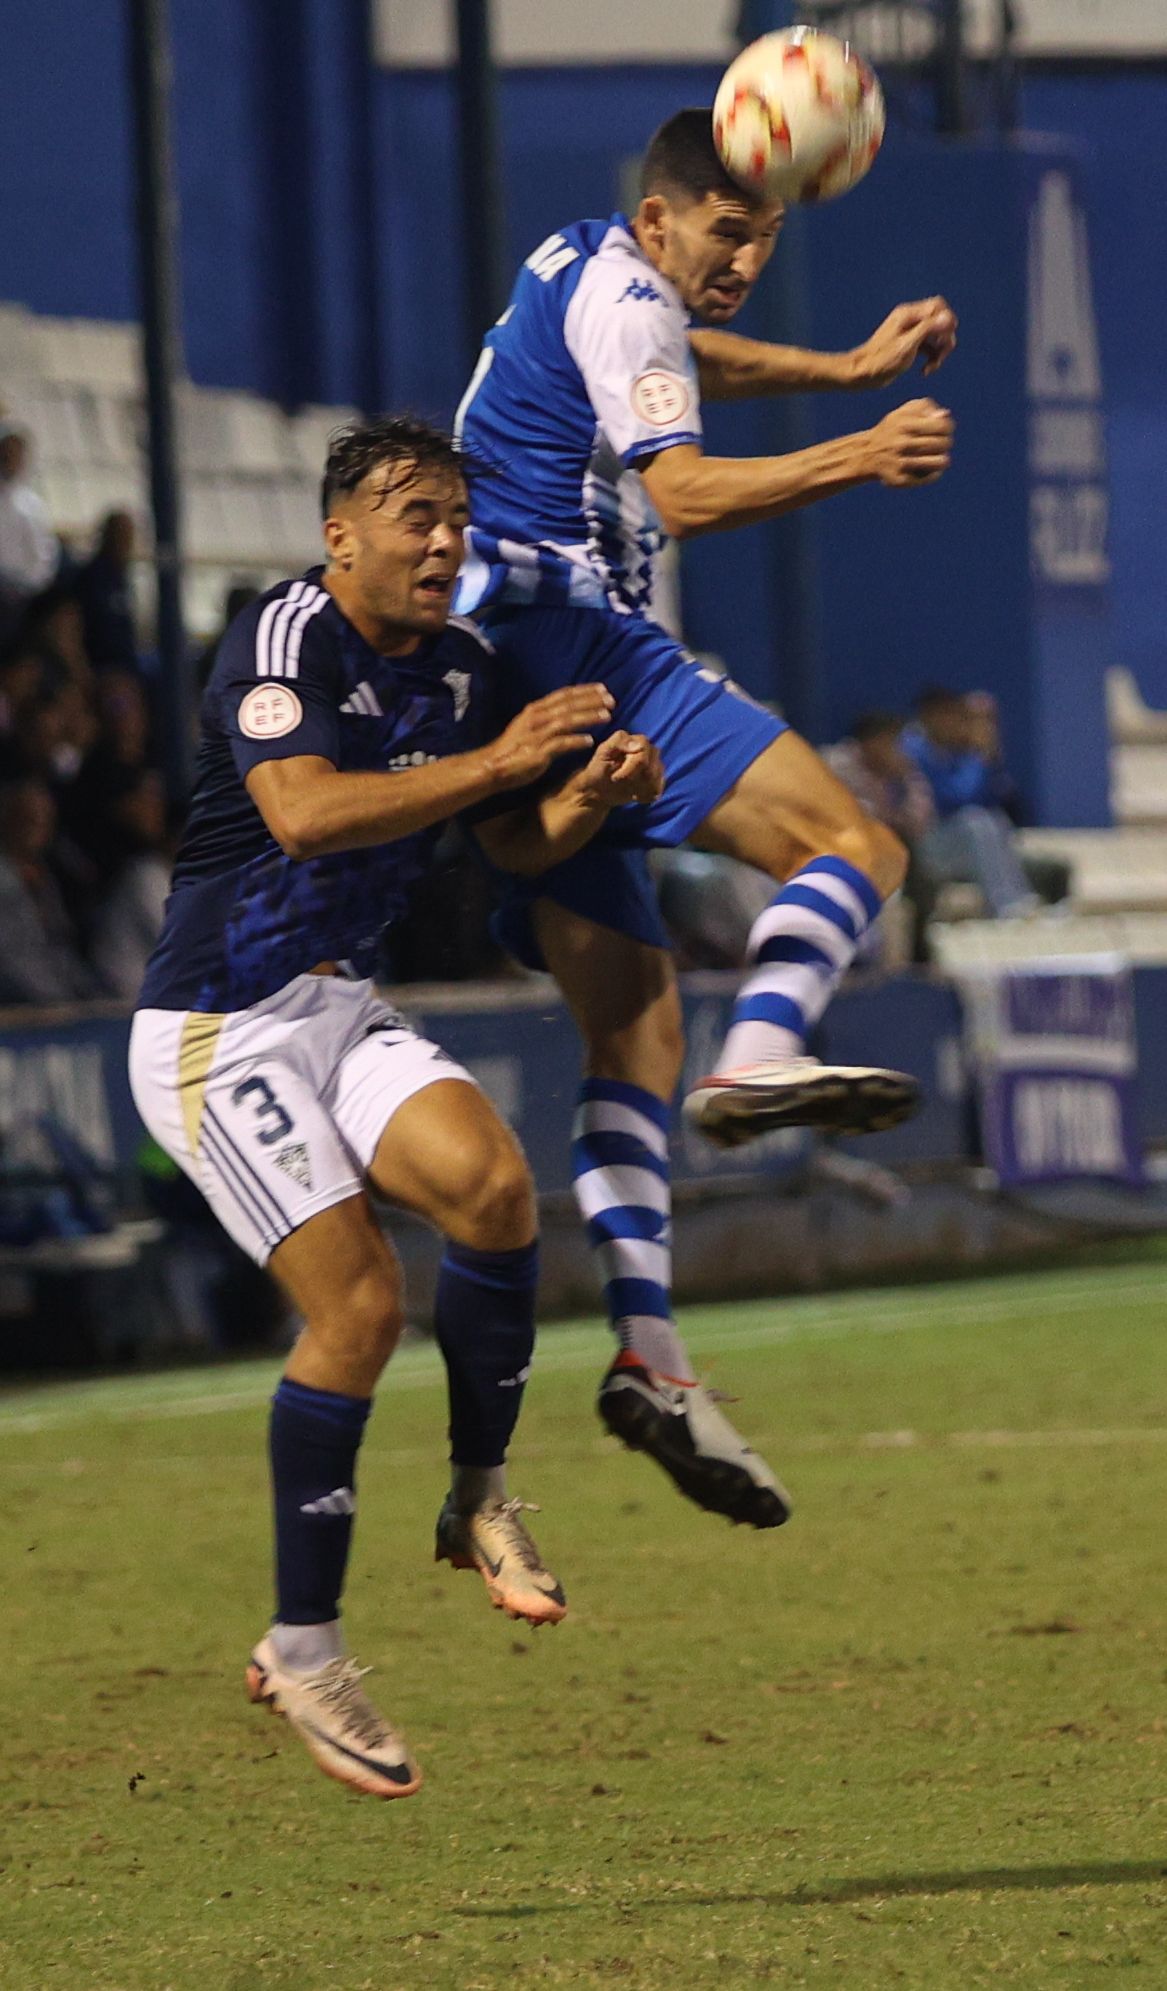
{"type": "Point", "coordinates": [493, 1541]}
{"type": "Point", "coordinates": [333, 1715]}
{"type": "Point", "coordinates": [681, 1427]}
{"type": "Point", "coordinates": [733, 1107]}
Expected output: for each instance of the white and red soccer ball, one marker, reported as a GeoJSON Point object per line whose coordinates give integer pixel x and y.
{"type": "Point", "coordinates": [798, 117]}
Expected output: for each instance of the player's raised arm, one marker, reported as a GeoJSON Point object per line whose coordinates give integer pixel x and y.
{"type": "Point", "coordinates": [733, 368]}
{"type": "Point", "coordinates": [640, 365]}
{"type": "Point", "coordinates": [695, 493]}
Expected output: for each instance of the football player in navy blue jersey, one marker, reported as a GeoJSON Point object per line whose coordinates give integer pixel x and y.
{"type": "Point", "coordinates": [347, 717]}
{"type": "Point", "coordinates": [584, 409]}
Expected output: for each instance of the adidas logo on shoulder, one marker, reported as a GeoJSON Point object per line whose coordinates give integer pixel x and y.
{"type": "Point", "coordinates": [364, 701]}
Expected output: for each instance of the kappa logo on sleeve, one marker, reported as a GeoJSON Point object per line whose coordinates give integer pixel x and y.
{"type": "Point", "coordinates": [269, 711]}
{"type": "Point", "coordinates": [662, 398]}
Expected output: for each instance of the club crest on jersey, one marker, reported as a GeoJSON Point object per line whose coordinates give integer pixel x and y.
{"type": "Point", "coordinates": [459, 683]}
{"type": "Point", "coordinates": [269, 711]}
{"type": "Point", "coordinates": [293, 1160]}
{"type": "Point", "coordinates": [660, 398]}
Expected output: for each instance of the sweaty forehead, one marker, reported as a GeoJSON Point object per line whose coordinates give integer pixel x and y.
{"type": "Point", "coordinates": [758, 217]}
{"type": "Point", "coordinates": [393, 487]}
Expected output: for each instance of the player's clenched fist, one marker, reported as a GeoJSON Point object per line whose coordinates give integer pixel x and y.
{"type": "Point", "coordinates": [561, 723]}
{"type": "Point", "coordinates": [624, 768]}
{"type": "Point", "coordinates": [912, 445]}
{"type": "Point", "coordinates": [925, 330]}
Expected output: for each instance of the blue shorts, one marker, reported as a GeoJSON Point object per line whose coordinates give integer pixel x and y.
{"type": "Point", "coordinates": [706, 730]}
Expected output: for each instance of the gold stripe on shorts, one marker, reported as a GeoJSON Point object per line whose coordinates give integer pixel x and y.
{"type": "Point", "coordinates": [196, 1054]}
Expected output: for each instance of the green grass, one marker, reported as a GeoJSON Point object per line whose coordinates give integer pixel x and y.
{"type": "Point", "coordinates": [914, 1739]}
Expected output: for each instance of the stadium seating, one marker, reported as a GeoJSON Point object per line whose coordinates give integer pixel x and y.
{"type": "Point", "coordinates": [1131, 721]}
{"type": "Point", "coordinates": [1138, 756]}
{"type": "Point", "coordinates": [250, 483]}
{"type": "Point", "coordinates": [1112, 871]}
{"type": "Point", "coordinates": [251, 471]}
{"type": "Point", "coordinates": [1140, 938]}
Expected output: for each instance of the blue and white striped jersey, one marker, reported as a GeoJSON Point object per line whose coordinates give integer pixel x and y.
{"type": "Point", "coordinates": [587, 372]}
{"type": "Point", "coordinates": [293, 676]}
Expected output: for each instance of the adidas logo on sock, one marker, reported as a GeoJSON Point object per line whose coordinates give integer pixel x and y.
{"type": "Point", "coordinates": [342, 1500]}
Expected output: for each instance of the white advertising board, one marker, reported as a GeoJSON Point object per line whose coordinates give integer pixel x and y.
{"type": "Point", "coordinates": [416, 34]}
{"type": "Point", "coordinates": [1075, 27]}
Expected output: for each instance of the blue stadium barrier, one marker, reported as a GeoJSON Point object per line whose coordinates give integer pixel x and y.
{"type": "Point", "coordinates": [70, 1067]}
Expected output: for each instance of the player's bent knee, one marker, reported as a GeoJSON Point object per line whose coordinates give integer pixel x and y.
{"type": "Point", "coordinates": [876, 851]}
{"type": "Point", "coordinates": [498, 1213]}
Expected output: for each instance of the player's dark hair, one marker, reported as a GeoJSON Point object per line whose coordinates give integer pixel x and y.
{"type": "Point", "coordinates": [682, 159]}
{"type": "Point", "coordinates": [876, 725]}
{"type": "Point", "coordinates": [363, 446]}
{"type": "Point", "coordinates": [937, 697]}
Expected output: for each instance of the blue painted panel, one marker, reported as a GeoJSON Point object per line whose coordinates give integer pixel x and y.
{"type": "Point", "coordinates": [65, 236]}
{"type": "Point", "coordinates": [529, 1059]}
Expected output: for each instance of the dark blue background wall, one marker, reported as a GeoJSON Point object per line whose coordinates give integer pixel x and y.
{"type": "Point", "coordinates": [320, 261]}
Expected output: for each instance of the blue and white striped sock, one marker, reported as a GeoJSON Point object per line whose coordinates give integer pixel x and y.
{"type": "Point", "coordinates": [800, 948]}
{"type": "Point", "coordinates": [620, 1170]}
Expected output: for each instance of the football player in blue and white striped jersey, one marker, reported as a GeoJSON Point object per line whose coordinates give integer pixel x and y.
{"type": "Point", "coordinates": [584, 413]}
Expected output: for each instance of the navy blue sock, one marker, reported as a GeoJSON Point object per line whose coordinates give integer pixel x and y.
{"type": "Point", "coordinates": [314, 1438]}
{"type": "Point", "coordinates": [484, 1319]}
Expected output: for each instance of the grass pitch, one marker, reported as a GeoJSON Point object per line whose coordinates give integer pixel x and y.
{"type": "Point", "coordinates": [916, 1738]}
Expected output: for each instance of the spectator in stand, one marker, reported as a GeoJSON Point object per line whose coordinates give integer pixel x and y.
{"type": "Point", "coordinates": [52, 622]}
{"type": "Point", "coordinates": [22, 674]}
{"type": "Point", "coordinates": [1050, 877]}
{"type": "Point", "coordinates": [972, 841]}
{"type": "Point", "coordinates": [881, 775]}
{"type": "Point", "coordinates": [128, 919]}
{"type": "Point", "coordinates": [29, 550]}
{"type": "Point", "coordinates": [50, 732]}
{"type": "Point", "coordinates": [239, 596]}
{"type": "Point", "coordinates": [41, 960]}
{"type": "Point", "coordinates": [115, 808]}
{"type": "Point", "coordinates": [105, 594]}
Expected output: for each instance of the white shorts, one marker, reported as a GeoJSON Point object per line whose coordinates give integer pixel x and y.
{"type": "Point", "coordinates": [275, 1111]}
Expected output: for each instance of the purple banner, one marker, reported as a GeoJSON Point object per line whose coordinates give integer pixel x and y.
{"type": "Point", "coordinates": [1054, 1052]}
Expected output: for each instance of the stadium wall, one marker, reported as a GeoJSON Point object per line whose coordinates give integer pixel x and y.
{"type": "Point", "coordinates": [320, 262]}
{"type": "Point", "coordinates": [787, 1213]}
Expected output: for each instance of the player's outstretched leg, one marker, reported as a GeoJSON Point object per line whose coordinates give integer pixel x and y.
{"type": "Point", "coordinates": [448, 1155]}
{"type": "Point", "coordinates": [789, 815]}
{"type": "Point", "coordinates": [624, 998]}
{"type": "Point", "coordinates": [344, 1281]}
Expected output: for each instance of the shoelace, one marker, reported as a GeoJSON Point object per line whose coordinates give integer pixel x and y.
{"type": "Point", "coordinates": [509, 1511]}
{"type": "Point", "coordinates": [339, 1685]}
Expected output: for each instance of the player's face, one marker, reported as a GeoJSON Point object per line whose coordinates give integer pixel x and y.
{"type": "Point", "coordinates": [715, 249]}
{"type": "Point", "coordinates": [397, 543]}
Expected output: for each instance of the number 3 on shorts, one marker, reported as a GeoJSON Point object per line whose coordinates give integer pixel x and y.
{"type": "Point", "coordinates": [267, 1108]}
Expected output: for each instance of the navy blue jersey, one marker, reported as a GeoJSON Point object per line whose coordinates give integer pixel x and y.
{"type": "Point", "coordinates": [293, 676]}
{"type": "Point", "coordinates": [587, 373]}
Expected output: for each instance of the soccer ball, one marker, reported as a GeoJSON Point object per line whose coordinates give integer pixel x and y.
{"type": "Point", "coordinates": [798, 117]}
